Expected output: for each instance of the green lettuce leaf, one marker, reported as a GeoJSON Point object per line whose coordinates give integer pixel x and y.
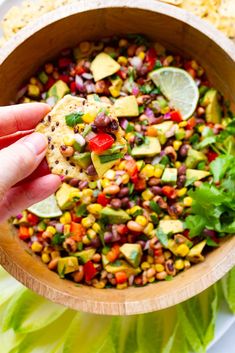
{"type": "Point", "coordinates": [123, 334]}
{"type": "Point", "coordinates": [228, 285]}
{"type": "Point", "coordinates": [8, 286]}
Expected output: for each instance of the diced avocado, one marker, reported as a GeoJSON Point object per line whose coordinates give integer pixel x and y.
{"type": "Point", "coordinates": [193, 158]}
{"type": "Point", "coordinates": [101, 168]}
{"type": "Point", "coordinates": [58, 90]}
{"type": "Point", "coordinates": [67, 265]}
{"type": "Point", "coordinates": [171, 226]}
{"type": "Point", "coordinates": [103, 66]}
{"type": "Point", "coordinates": [169, 176]}
{"type": "Point", "coordinates": [105, 261]}
{"type": "Point", "coordinates": [132, 253]}
{"type": "Point", "coordinates": [84, 255]}
{"type": "Point", "coordinates": [122, 265]}
{"type": "Point", "coordinates": [213, 109]}
{"type": "Point", "coordinates": [82, 159]}
{"type": "Point", "coordinates": [148, 149]}
{"type": "Point", "coordinates": [126, 106]}
{"type": "Point", "coordinates": [195, 253]}
{"type": "Point", "coordinates": [196, 174]}
{"type": "Point", "coordinates": [163, 127]}
{"type": "Point", "coordinates": [114, 216]}
{"type": "Point", "coordinates": [63, 196]}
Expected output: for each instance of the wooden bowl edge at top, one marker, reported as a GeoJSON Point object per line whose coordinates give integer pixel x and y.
{"type": "Point", "coordinates": [132, 300]}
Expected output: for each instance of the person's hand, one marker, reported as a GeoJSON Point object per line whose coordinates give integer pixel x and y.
{"type": "Point", "coordinates": [20, 159]}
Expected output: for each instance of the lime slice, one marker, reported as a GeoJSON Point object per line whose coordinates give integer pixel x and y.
{"type": "Point", "coordinates": [47, 208]}
{"type": "Point", "coordinates": [178, 87]}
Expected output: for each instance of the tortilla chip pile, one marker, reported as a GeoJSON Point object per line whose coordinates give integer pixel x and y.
{"type": "Point", "coordinates": [221, 13]}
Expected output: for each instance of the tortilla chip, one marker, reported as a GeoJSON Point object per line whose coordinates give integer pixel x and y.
{"type": "Point", "coordinates": [54, 127]}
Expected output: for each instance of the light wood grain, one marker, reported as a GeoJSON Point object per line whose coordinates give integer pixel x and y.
{"type": "Point", "coordinates": [65, 27]}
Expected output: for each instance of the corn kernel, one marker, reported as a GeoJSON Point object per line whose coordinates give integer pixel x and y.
{"type": "Point", "coordinates": [151, 279]}
{"type": "Point", "coordinates": [91, 234]}
{"type": "Point", "coordinates": [51, 229]}
{"type": "Point", "coordinates": [33, 90]}
{"type": "Point", "coordinates": [187, 264]}
{"type": "Point", "coordinates": [148, 170]}
{"type": "Point", "coordinates": [122, 165]}
{"type": "Point", "coordinates": [147, 195]}
{"type": "Point", "coordinates": [129, 135]}
{"type": "Point", "coordinates": [125, 178]}
{"type": "Point", "coordinates": [182, 250]}
{"type": "Point", "coordinates": [167, 254]}
{"type": "Point", "coordinates": [121, 285]}
{"type": "Point", "coordinates": [177, 164]}
{"type": "Point", "coordinates": [182, 123]}
{"type": "Point", "coordinates": [94, 208]}
{"type": "Point", "coordinates": [55, 254]}
{"type": "Point", "coordinates": [159, 267]}
{"type": "Point", "coordinates": [115, 92]}
{"type": "Point", "coordinates": [88, 221]}
{"type": "Point", "coordinates": [62, 220]}
{"type": "Point", "coordinates": [141, 55]}
{"type": "Point", "coordinates": [145, 265]}
{"type": "Point", "coordinates": [67, 217]}
{"type": "Point", "coordinates": [45, 258]}
{"type": "Point", "coordinates": [122, 60]}
{"type": "Point", "coordinates": [141, 220]}
{"type": "Point", "coordinates": [80, 127]}
{"type": "Point", "coordinates": [148, 229]}
{"type": "Point", "coordinates": [105, 182]}
{"type": "Point", "coordinates": [201, 128]}
{"type": "Point", "coordinates": [150, 259]}
{"type": "Point", "coordinates": [69, 140]}
{"type": "Point", "coordinates": [133, 209]}
{"type": "Point", "coordinates": [67, 228]}
{"type": "Point", "coordinates": [166, 218]}
{"type": "Point", "coordinates": [140, 164]}
{"type": "Point", "coordinates": [96, 227]}
{"type": "Point", "coordinates": [89, 115]}
{"type": "Point", "coordinates": [169, 59]}
{"type": "Point", "coordinates": [179, 264]}
{"type": "Point", "coordinates": [31, 231]}
{"type": "Point", "coordinates": [87, 192]}
{"type": "Point", "coordinates": [187, 201]}
{"type": "Point", "coordinates": [177, 144]}
{"type": "Point", "coordinates": [110, 174]}
{"type": "Point", "coordinates": [181, 192]}
{"type": "Point", "coordinates": [158, 172]}
{"type": "Point", "coordinates": [33, 81]}
{"type": "Point", "coordinates": [75, 194]}
{"type": "Point", "coordinates": [86, 240]}
{"type": "Point", "coordinates": [36, 246]}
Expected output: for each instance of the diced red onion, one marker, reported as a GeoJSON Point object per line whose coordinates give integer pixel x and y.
{"type": "Point", "coordinates": [79, 83]}
{"type": "Point", "coordinates": [167, 116]}
{"type": "Point", "coordinates": [44, 95]}
{"type": "Point", "coordinates": [149, 112]}
{"type": "Point", "coordinates": [171, 132]}
{"type": "Point", "coordinates": [79, 139]}
{"type": "Point", "coordinates": [51, 101]}
{"type": "Point", "coordinates": [118, 181]}
{"type": "Point", "coordinates": [59, 227]}
{"type": "Point", "coordinates": [135, 90]}
{"type": "Point", "coordinates": [34, 238]}
{"type": "Point", "coordinates": [127, 157]}
{"type": "Point", "coordinates": [209, 232]}
{"type": "Point", "coordinates": [90, 136]}
{"type": "Point", "coordinates": [19, 216]}
{"type": "Point", "coordinates": [146, 247]}
{"type": "Point", "coordinates": [87, 76]}
{"type": "Point", "coordinates": [120, 172]}
{"type": "Point", "coordinates": [156, 160]}
{"type": "Point", "coordinates": [21, 92]}
{"type": "Point", "coordinates": [124, 123]}
{"type": "Point", "coordinates": [162, 153]}
{"type": "Point", "coordinates": [90, 87]}
{"type": "Point", "coordinates": [131, 280]}
{"type": "Point", "coordinates": [99, 184]}
{"type": "Point", "coordinates": [136, 62]}
{"type": "Point", "coordinates": [108, 237]}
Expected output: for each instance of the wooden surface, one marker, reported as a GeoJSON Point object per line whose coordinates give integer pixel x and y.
{"type": "Point", "coordinates": [179, 31]}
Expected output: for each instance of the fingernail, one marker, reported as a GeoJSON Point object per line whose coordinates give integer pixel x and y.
{"type": "Point", "coordinates": [36, 142]}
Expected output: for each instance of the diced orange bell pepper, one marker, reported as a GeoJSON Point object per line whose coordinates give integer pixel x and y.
{"type": "Point", "coordinates": [24, 233]}
{"type": "Point", "coordinates": [151, 131]}
{"type": "Point", "coordinates": [121, 277]}
{"type": "Point", "coordinates": [78, 231]}
{"type": "Point", "coordinates": [113, 254]}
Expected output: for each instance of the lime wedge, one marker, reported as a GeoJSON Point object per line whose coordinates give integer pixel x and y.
{"type": "Point", "coordinates": [178, 87]}
{"type": "Point", "coordinates": [47, 208]}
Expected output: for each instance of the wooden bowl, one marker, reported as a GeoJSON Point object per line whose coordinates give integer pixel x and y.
{"type": "Point", "coordinates": [178, 31]}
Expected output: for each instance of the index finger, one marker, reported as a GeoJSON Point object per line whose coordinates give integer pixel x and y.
{"type": "Point", "coordinates": [21, 117]}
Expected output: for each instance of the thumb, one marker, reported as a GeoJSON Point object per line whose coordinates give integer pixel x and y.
{"type": "Point", "coordinates": [20, 159]}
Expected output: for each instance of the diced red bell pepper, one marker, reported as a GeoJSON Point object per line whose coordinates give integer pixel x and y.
{"type": "Point", "coordinates": [186, 233]}
{"type": "Point", "coordinates": [64, 62]}
{"type": "Point", "coordinates": [49, 83]}
{"type": "Point", "coordinates": [64, 78]}
{"type": "Point", "coordinates": [191, 123]}
{"type": "Point", "coordinates": [122, 229]}
{"type": "Point", "coordinates": [73, 87]}
{"type": "Point", "coordinates": [75, 218]}
{"type": "Point", "coordinates": [150, 58]}
{"type": "Point", "coordinates": [192, 72]}
{"type": "Point", "coordinates": [158, 252]}
{"type": "Point", "coordinates": [77, 230]}
{"type": "Point", "coordinates": [89, 270]}
{"type": "Point", "coordinates": [101, 142]}
{"type": "Point", "coordinates": [169, 192]}
{"type": "Point", "coordinates": [122, 74]}
{"type": "Point", "coordinates": [140, 184]}
{"type": "Point", "coordinates": [211, 156]}
{"type": "Point", "coordinates": [134, 178]}
{"type": "Point", "coordinates": [176, 116]}
{"type": "Point", "coordinates": [121, 277]}
{"type": "Point", "coordinates": [79, 69]}
{"type": "Point", "coordinates": [32, 219]}
{"type": "Point", "coordinates": [131, 167]}
{"type": "Point", "coordinates": [102, 199]}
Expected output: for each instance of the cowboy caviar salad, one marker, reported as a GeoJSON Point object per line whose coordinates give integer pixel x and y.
{"type": "Point", "coordinates": [165, 201]}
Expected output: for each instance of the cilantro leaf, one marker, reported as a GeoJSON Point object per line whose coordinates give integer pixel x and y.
{"type": "Point", "coordinates": [220, 166]}
{"type": "Point", "coordinates": [74, 119]}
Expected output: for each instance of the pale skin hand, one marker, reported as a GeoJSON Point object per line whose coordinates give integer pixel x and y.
{"type": "Point", "coordinates": [21, 158]}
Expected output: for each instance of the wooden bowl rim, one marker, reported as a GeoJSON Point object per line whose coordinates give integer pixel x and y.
{"type": "Point", "coordinates": [129, 301]}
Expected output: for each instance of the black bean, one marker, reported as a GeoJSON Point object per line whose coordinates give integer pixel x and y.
{"type": "Point", "coordinates": [73, 182]}
{"type": "Point", "coordinates": [181, 181]}
{"type": "Point", "coordinates": [91, 170]}
{"type": "Point", "coordinates": [183, 151]}
{"type": "Point", "coordinates": [209, 232]}
{"type": "Point", "coordinates": [123, 192]}
{"type": "Point", "coordinates": [82, 184]}
{"type": "Point", "coordinates": [116, 203]}
{"type": "Point", "coordinates": [108, 237]}
{"type": "Point", "coordinates": [125, 202]}
{"type": "Point", "coordinates": [102, 120]}
{"type": "Point", "coordinates": [94, 128]}
{"type": "Point", "coordinates": [113, 125]}
{"type": "Point", "coordinates": [182, 170]}
{"type": "Point", "coordinates": [156, 190]}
